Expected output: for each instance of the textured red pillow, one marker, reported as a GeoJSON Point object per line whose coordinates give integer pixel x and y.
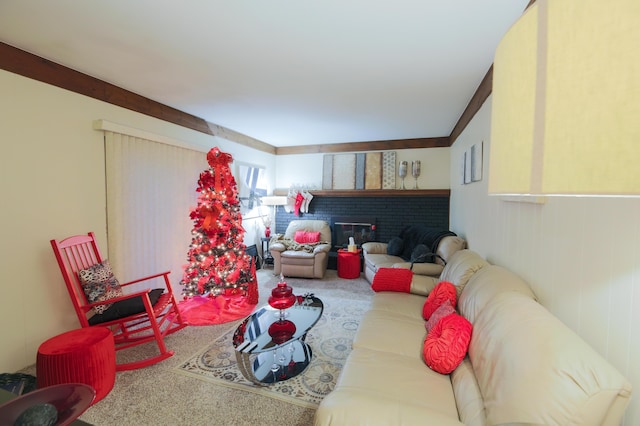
{"type": "Point", "coordinates": [392, 279]}
{"type": "Point", "coordinates": [442, 311]}
{"type": "Point", "coordinates": [447, 343]}
{"type": "Point", "coordinates": [306, 237]}
{"type": "Point", "coordinates": [444, 290]}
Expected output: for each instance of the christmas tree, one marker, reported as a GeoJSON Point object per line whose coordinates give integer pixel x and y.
{"type": "Point", "coordinates": [218, 264]}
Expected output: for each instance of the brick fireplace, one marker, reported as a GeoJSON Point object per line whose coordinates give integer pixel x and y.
{"type": "Point", "coordinates": [389, 214]}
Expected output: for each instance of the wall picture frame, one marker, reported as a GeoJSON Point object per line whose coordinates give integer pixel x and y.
{"type": "Point", "coordinates": [476, 161]}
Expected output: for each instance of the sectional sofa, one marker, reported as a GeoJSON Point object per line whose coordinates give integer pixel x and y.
{"type": "Point", "coordinates": [523, 365]}
{"type": "Point", "coordinates": [442, 243]}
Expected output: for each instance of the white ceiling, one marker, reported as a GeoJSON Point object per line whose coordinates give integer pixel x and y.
{"type": "Point", "coordinates": [286, 72]}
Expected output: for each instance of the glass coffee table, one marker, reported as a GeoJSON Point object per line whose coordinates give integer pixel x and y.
{"type": "Point", "coordinates": [270, 349]}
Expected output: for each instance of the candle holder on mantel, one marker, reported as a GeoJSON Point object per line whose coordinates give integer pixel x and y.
{"type": "Point", "coordinates": [415, 172]}
{"type": "Point", "coordinates": [282, 298]}
{"type": "Point", "coordinates": [402, 172]}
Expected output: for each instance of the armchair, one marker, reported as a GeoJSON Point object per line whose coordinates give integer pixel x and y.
{"type": "Point", "coordinates": [302, 257]}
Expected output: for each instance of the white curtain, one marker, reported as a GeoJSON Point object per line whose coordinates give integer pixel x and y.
{"type": "Point", "coordinates": [150, 192]}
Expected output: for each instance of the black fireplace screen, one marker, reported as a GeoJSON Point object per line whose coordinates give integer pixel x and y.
{"type": "Point", "coordinates": [361, 229]}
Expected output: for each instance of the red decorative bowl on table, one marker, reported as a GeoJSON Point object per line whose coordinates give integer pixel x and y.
{"type": "Point", "coordinates": [282, 298]}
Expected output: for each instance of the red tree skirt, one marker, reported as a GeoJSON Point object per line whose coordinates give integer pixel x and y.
{"type": "Point", "coordinates": [205, 310]}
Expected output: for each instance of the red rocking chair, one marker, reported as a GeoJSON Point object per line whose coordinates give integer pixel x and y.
{"type": "Point", "coordinates": [137, 318]}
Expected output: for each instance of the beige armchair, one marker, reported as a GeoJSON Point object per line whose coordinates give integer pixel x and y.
{"type": "Point", "coordinates": [293, 259]}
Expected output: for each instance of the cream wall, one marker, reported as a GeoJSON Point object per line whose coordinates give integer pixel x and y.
{"type": "Point", "coordinates": [53, 185]}
{"type": "Point", "coordinates": [306, 169]}
{"type": "Point", "coordinates": [580, 255]}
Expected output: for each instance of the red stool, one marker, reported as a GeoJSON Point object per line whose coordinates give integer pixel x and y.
{"type": "Point", "coordinates": [87, 355]}
{"type": "Point", "coordinates": [349, 263]}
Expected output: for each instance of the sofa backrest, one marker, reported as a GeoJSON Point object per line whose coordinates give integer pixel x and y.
{"type": "Point", "coordinates": [309, 226]}
{"type": "Point", "coordinates": [486, 284]}
{"type": "Point", "coordinates": [447, 247]}
{"type": "Point", "coordinates": [413, 235]}
{"type": "Point", "coordinates": [461, 266]}
{"type": "Point", "coordinates": [528, 366]}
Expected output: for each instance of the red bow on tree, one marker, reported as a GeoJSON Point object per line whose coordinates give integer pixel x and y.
{"type": "Point", "coordinates": [219, 161]}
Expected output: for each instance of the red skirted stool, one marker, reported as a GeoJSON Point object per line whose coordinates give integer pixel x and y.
{"type": "Point", "coordinates": [86, 355]}
{"type": "Point", "coordinates": [349, 263]}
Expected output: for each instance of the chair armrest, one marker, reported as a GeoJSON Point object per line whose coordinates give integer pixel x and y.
{"type": "Point", "coordinates": [164, 275]}
{"type": "Point", "coordinates": [429, 269]}
{"type": "Point", "coordinates": [150, 277]}
{"type": "Point", "coordinates": [277, 247]}
{"type": "Point", "coordinates": [320, 248]}
{"type": "Point", "coordinates": [374, 248]}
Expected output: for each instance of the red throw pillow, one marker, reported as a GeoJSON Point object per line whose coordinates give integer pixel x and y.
{"type": "Point", "coordinates": [304, 237]}
{"type": "Point", "coordinates": [392, 279]}
{"type": "Point", "coordinates": [444, 290]}
{"type": "Point", "coordinates": [447, 343]}
{"type": "Point", "coordinates": [442, 311]}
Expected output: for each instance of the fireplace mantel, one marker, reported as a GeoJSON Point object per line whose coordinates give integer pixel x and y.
{"type": "Point", "coordinates": [375, 193]}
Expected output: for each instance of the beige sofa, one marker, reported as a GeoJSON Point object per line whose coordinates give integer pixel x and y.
{"type": "Point", "coordinates": [524, 366]}
{"type": "Point", "coordinates": [376, 257]}
{"type": "Point", "coordinates": [307, 260]}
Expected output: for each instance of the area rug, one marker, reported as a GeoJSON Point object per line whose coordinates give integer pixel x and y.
{"type": "Point", "coordinates": [330, 340]}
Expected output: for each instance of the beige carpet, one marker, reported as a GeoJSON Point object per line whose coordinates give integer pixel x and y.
{"type": "Point", "coordinates": [157, 395]}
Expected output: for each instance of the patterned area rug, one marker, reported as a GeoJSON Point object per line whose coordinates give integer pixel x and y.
{"type": "Point", "coordinates": [330, 340]}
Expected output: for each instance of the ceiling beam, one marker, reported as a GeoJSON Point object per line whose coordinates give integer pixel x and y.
{"type": "Point", "coordinates": [28, 65]}
{"type": "Point", "coordinates": [482, 93]}
{"type": "Point", "coordinates": [383, 145]}
{"type": "Point", "coordinates": [37, 68]}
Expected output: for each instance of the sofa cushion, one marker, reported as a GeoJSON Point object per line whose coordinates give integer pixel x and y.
{"type": "Point", "coordinates": [429, 269]}
{"type": "Point", "coordinates": [515, 339]}
{"type": "Point", "coordinates": [391, 332]}
{"type": "Point", "coordinates": [392, 279]}
{"type": "Point", "coordinates": [347, 406]}
{"type": "Point", "coordinates": [306, 237]}
{"type": "Point", "coordinates": [127, 307]}
{"type": "Point", "coordinates": [309, 225]}
{"type": "Point", "coordinates": [447, 247]}
{"type": "Point", "coordinates": [444, 290]}
{"type": "Point", "coordinates": [468, 397]}
{"type": "Point", "coordinates": [446, 344]}
{"type": "Point", "coordinates": [461, 266]}
{"type": "Point", "coordinates": [408, 305]}
{"type": "Point", "coordinates": [99, 284]}
{"type": "Point", "coordinates": [443, 310]}
{"type": "Point", "coordinates": [422, 284]}
{"type": "Point", "coordinates": [395, 246]}
{"type": "Point", "coordinates": [399, 383]}
{"type": "Point", "coordinates": [485, 285]}
{"type": "Point", "coordinates": [377, 261]}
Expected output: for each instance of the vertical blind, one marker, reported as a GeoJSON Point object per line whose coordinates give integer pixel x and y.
{"type": "Point", "coordinates": [150, 191]}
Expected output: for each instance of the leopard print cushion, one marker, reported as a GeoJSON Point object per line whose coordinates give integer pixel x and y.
{"type": "Point", "coordinates": [99, 285]}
